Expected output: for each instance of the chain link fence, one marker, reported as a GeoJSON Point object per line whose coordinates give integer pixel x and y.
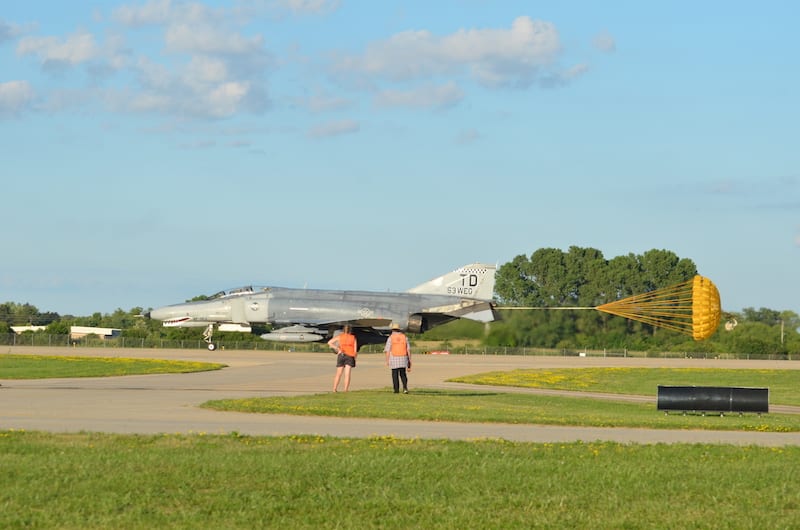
{"type": "Point", "coordinates": [43, 340]}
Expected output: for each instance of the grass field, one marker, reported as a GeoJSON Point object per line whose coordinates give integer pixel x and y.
{"type": "Point", "coordinates": [45, 366]}
{"type": "Point", "coordinates": [94, 481]}
{"type": "Point", "coordinates": [113, 481]}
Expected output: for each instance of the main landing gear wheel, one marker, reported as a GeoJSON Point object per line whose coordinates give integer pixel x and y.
{"type": "Point", "coordinates": [212, 346]}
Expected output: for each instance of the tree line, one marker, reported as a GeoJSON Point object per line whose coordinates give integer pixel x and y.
{"type": "Point", "coordinates": [549, 278]}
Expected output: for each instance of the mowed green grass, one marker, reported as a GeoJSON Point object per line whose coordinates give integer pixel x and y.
{"type": "Point", "coordinates": [93, 481]}
{"type": "Point", "coordinates": [88, 481]}
{"type": "Point", "coordinates": [501, 407]}
{"type": "Point", "coordinates": [783, 384]}
{"type": "Point", "coordinates": [508, 407]}
{"type": "Point", "coordinates": [45, 366]}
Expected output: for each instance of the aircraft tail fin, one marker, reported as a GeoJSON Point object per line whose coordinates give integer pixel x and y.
{"type": "Point", "coordinates": [474, 281]}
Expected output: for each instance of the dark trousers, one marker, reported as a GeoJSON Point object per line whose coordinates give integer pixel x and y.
{"type": "Point", "coordinates": [397, 375]}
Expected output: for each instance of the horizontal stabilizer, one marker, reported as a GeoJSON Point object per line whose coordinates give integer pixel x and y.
{"type": "Point", "coordinates": [487, 315]}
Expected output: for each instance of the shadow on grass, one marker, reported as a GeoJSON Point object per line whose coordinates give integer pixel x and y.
{"type": "Point", "coordinates": [454, 393]}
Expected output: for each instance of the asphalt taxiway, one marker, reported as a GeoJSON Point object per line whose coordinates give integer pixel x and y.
{"type": "Point", "coordinates": [168, 403]}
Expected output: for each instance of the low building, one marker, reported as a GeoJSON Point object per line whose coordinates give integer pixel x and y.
{"type": "Point", "coordinates": [22, 329]}
{"type": "Point", "coordinates": [78, 332]}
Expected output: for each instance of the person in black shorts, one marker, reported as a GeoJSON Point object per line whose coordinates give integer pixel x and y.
{"type": "Point", "coordinates": [345, 346]}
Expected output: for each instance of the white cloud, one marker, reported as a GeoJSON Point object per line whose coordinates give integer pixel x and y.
{"type": "Point", "coordinates": [15, 96]}
{"type": "Point", "coordinates": [429, 96]}
{"type": "Point", "coordinates": [561, 78]}
{"type": "Point", "coordinates": [208, 39]}
{"type": "Point", "coordinates": [202, 70]}
{"type": "Point", "coordinates": [152, 75]}
{"type": "Point", "coordinates": [516, 56]}
{"type": "Point", "coordinates": [147, 101]}
{"type": "Point", "coordinates": [605, 42]}
{"type": "Point", "coordinates": [79, 49]}
{"type": "Point", "coordinates": [203, 88]}
{"type": "Point", "coordinates": [162, 12]}
{"type": "Point", "coordinates": [153, 12]}
{"type": "Point", "coordinates": [169, 11]}
{"type": "Point", "coordinates": [322, 102]}
{"type": "Point", "coordinates": [75, 49]}
{"type": "Point", "coordinates": [9, 31]}
{"type": "Point", "coordinates": [334, 128]}
{"type": "Point", "coordinates": [208, 68]}
{"type": "Point", "coordinates": [308, 6]}
{"type": "Point", "coordinates": [226, 98]}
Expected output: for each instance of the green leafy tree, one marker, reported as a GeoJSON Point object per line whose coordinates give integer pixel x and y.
{"type": "Point", "coordinates": [60, 327]}
{"type": "Point", "coordinates": [762, 332]}
{"type": "Point", "coordinates": [514, 283]}
{"type": "Point", "coordinates": [764, 315]}
{"type": "Point", "coordinates": [662, 268]}
{"type": "Point", "coordinates": [15, 314]}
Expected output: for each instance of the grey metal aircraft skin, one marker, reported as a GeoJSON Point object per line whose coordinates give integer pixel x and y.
{"type": "Point", "coordinates": [313, 315]}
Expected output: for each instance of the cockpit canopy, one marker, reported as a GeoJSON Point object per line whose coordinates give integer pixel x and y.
{"type": "Point", "coordinates": [238, 291]}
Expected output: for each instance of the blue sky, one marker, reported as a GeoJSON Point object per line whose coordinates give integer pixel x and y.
{"type": "Point", "coordinates": [152, 151]}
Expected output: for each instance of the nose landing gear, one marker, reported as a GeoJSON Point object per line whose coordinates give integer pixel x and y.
{"type": "Point", "coordinates": [207, 334]}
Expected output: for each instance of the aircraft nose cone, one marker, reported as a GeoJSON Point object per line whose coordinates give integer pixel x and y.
{"type": "Point", "coordinates": [161, 313]}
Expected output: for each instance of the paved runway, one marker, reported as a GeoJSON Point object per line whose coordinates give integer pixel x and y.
{"type": "Point", "coordinates": [168, 403]}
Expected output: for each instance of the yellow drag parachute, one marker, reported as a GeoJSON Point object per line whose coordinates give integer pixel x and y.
{"type": "Point", "coordinates": [691, 308]}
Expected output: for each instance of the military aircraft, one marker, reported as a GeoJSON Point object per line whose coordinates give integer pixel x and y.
{"type": "Point", "coordinates": [313, 315]}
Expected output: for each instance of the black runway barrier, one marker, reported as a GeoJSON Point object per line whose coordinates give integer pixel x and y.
{"type": "Point", "coordinates": [713, 399]}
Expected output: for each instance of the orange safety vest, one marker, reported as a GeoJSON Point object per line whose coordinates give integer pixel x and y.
{"type": "Point", "coordinates": [399, 344]}
{"type": "Point", "coordinates": [347, 343]}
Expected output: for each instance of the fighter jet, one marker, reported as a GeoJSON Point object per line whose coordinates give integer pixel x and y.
{"type": "Point", "coordinates": [313, 315]}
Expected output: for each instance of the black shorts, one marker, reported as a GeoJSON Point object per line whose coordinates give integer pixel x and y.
{"type": "Point", "coordinates": [345, 360]}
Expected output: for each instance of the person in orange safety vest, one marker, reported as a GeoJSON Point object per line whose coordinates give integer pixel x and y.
{"type": "Point", "coordinates": [345, 346]}
{"type": "Point", "coordinates": [398, 358]}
